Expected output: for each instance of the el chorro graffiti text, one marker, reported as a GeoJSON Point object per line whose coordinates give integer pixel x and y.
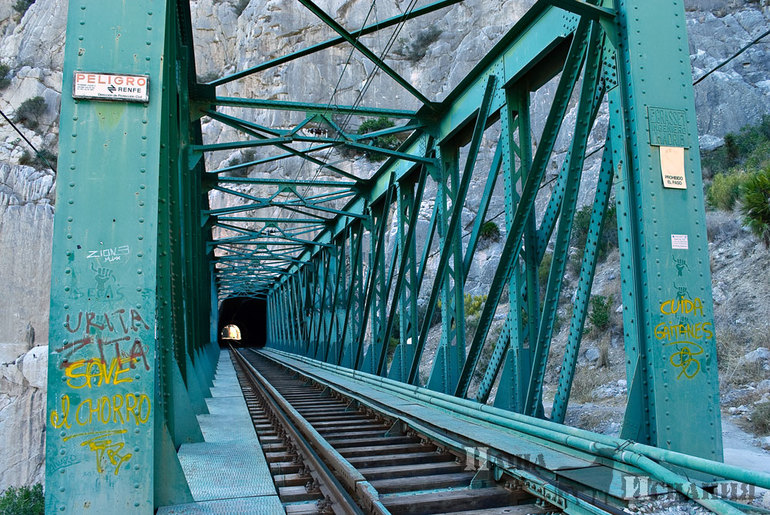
{"type": "Point", "coordinates": [100, 359]}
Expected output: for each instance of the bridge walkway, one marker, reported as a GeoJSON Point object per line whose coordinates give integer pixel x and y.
{"type": "Point", "coordinates": [227, 473]}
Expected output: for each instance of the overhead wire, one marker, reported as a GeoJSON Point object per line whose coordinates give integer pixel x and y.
{"type": "Point", "coordinates": [37, 152]}
{"type": "Point", "coordinates": [387, 48]}
{"type": "Point", "coordinates": [736, 54]}
{"type": "Point", "coordinates": [290, 215]}
{"type": "Point", "coordinates": [367, 83]}
{"type": "Point", "coordinates": [371, 75]}
{"type": "Point", "coordinates": [601, 147]}
{"type": "Point", "coordinates": [695, 83]}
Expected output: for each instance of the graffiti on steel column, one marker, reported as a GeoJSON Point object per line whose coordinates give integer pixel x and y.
{"type": "Point", "coordinates": [681, 266]}
{"type": "Point", "coordinates": [100, 357]}
{"type": "Point", "coordinates": [106, 287]}
{"type": "Point", "coordinates": [684, 332]}
{"type": "Point", "coordinates": [103, 350]}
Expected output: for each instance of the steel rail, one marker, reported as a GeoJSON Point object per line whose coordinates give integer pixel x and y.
{"type": "Point", "coordinates": [641, 456]}
{"type": "Point", "coordinates": [318, 452]}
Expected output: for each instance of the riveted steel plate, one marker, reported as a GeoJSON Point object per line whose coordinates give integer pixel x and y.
{"type": "Point", "coordinates": [616, 483]}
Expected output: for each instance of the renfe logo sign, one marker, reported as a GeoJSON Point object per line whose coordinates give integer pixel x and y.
{"type": "Point", "coordinates": [111, 86]}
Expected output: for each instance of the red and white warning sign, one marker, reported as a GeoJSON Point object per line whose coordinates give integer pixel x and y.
{"type": "Point", "coordinates": [111, 86]}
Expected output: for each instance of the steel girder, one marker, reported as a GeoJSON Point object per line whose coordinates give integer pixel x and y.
{"type": "Point", "coordinates": [131, 355]}
{"type": "Point", "coordinates": [344, 263]}
{"type": "Point", "coordinates": [583, 50]}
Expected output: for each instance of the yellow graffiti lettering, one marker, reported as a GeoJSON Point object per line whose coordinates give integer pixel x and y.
{"type": "Point", "coordinates": [105, 450]}
{"type": "Point", "coordinates": [143, 409]}
{"type": "Point", "coordinates": [88, 373]}
{"type": "Point", "coordinates": [71, 373]}
{"type": "Point", "coordinates": [61, 419]}
{"type": "Point", "coordinates": [130, 405]}
{"type": "Point", "coordinates": [664, 331]}
{"type": "Point", "coordinates": [117, 403]}
{"type": "Point", "coordinates": [685, 359]}
{"type": "Point", "coordinates": [119, 409]}
{"type": "Point", "coordinates": [116, 379]}
{"type": "Point", "coordinates": [77, 413]}
{"type": "Point", "coordinates": [105, 410]}
{"type": "Point", "coordinates": [682, 306]}
{"type": "Point", "coordinates": [94, 408]}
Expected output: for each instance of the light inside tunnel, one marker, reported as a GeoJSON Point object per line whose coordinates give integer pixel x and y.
{"type": "Point", "coordinates": [231, 332]}
{"type": "Point", "coordinates": [248, 316]}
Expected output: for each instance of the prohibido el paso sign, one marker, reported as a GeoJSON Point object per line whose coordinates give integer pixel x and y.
{"type": "Point", "coordinates": [111, 86]}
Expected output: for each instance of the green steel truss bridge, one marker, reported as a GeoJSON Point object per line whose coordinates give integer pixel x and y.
{"type": "Point", "coordinates": [333, 269]}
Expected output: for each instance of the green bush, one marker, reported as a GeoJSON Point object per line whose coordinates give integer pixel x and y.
{"type": "Point", "coordinates": [390, 142]}
{"type": "Point", "coordinates": [760, 418]}
{"type": "Point", "coordinates": [5, 80]}
{"type": "Point", "coordinates": [392, 344]}
{"type": "Point", "coordinates": [473, 305]}
{"type": "Point", "coordinates": [756, 205]}
{"type": "Point", "coordinates": [44, 159]}
{"type": "Point", "coordinates": [580, 224]}
{"type": "Point", "coordinates": [29, 111]}
{"type": "Point", "coordinates": [545, 268]}
{"type": "Point", "coordinates": [601, 312]}
{"type": "Point", "coordinates": [21, 6]}
{"type": "Point", "coordinates": [725, 190]}
{"type": "Point", "coordinates": [23, 501]}
{"type": "Point", "coordinates": [759, 159]}
{"type": "Point", "coordinates": [737, 148]}
{"type": "Point", "coordinates": [608, 239]}
{"type": "Point", "coordinates": [489, 231]}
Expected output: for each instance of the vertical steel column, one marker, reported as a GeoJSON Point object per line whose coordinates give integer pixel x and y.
{"type": "Point", "coordinates": [323, 284]}
{"type": "Point", "coordinates": [518, 359]}
{"type": "Point", "coordinates": [666, 284]}
{"type": "Point", "coordinates": [354, 312]}
{"type": "Point", "coordinates": [574, 165]}
{"type": "Point", "coordinates": [450, 354]}
{"type": "Point", "coordinates": [377, 294]}
{"type": "Point", "coordinates": [337, 253]}
{"type": "Point", "coordinates": [407, 301]}
{"type": "Point", "coordinates": [106, 441]}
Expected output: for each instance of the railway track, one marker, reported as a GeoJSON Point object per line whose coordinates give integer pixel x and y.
{"type": "Point", "coordinates": [376, 466]}
{"type": "Point", "coordinates": [338, 444]}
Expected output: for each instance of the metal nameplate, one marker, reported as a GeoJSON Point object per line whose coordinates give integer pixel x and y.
{"type": "Point", "coordinates": [668, 127]}
{"type": "Point", "coordinates": [111, 86]}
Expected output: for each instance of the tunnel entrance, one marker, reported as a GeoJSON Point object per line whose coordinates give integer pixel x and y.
{"type": "Point", "coordinates": [243, 322]}
{"type": "Point", "coordinates": [231, 332]}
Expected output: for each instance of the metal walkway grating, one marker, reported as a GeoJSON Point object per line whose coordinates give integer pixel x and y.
{"type": "Point", "coordinates": [228, 472]}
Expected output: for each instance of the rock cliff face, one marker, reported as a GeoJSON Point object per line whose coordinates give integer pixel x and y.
{"type": "Point", "coordinates": [434, 53]}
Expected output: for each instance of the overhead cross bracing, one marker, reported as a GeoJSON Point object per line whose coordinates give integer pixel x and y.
{"type": "Point", "coordinates": [368, 264]}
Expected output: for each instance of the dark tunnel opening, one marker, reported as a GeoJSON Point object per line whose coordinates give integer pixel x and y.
{"type": "Point", "coordinates": [243, 322]}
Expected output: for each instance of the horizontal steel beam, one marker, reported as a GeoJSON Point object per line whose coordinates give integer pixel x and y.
{"type": "Point", "coordinates": [283, 105]}
{"type": "Point", "coordinates": [395, 20]}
